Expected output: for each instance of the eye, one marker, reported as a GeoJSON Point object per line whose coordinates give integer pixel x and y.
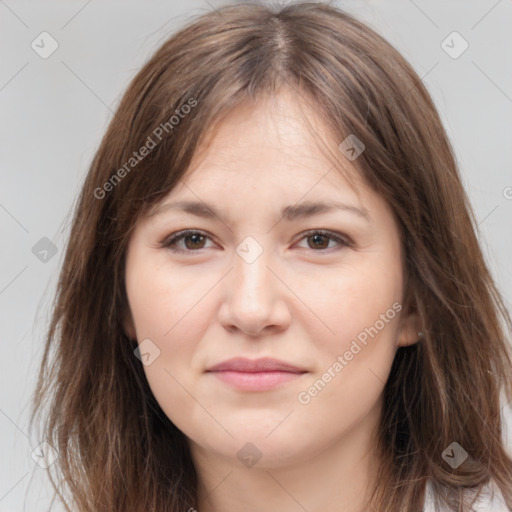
{"type": "Point", "coordinates": [319, 240]}
{"type": "Point", "coordinates": [193, 241]}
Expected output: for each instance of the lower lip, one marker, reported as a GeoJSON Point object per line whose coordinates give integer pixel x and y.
{"type": "Point", "coordinates": [256, 381]}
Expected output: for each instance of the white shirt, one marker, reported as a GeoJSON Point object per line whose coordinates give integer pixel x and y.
{"type": "Point", "coordinates": [485, 503]}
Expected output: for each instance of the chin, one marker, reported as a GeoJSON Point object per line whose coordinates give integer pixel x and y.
{"type": "Point", "coordinates": [253, 447]}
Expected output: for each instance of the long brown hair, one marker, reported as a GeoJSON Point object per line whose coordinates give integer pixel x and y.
{"type": "Point", "coordinates": [118, 451]}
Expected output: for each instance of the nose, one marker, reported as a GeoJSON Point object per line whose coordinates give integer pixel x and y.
{"type": "Point", "coordinates": [255, 298]}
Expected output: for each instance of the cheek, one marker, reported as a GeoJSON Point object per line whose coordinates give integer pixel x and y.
{"type": "Point", "coordinates": [164, 300]}
{"type": "Point", "coordinates": [356, 299]}
{"type": "Point", "coordinates": [363, 307]}
{"type": "Point", "coordinates": [167, 309]}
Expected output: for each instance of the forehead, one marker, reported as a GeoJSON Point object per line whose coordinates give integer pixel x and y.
{"type": "Point", "coordinates": [279, 141]}
{"type": "Point", "coordinates": [281, 127]}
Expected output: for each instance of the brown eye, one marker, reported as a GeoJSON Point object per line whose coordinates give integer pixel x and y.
{"type": "Point", "coordinates": [192, 241]}
{"type": "Point", "coordinates": [320, 240]}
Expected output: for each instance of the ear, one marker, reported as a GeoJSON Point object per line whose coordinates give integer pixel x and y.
{"type": "Point", "coordinates": [410, 331]}
{"type": "Point", "coordinates": [129, 326]}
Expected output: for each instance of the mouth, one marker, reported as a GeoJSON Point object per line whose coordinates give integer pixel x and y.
{"type": "Point", "coordinates": [256, 374]}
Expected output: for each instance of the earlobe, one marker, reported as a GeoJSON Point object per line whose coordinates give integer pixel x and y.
{"type": "Point", "coordinates": [411, 331]}
{"type": "Point", "coordinates": [128, 326]}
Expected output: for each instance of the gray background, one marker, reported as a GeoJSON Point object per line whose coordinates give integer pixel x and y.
{"type": "Point", "coordinates": [55, 110]}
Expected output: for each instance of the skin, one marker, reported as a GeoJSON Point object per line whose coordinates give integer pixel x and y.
{"type": "Point", "coordinates": [296, 302]}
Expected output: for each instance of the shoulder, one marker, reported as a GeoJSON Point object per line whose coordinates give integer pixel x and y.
{"type": "Point", "coordinates": [489, 500]}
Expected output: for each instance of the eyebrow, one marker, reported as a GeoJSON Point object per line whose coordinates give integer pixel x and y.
{"type": "Point", "coordinates": [288, 213]}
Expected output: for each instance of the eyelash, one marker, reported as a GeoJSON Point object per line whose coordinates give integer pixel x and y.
{"type": "Point", "coordinates": [170, 242]}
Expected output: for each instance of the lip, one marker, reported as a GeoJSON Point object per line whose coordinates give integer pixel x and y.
{"type": "Point", "coordinates": [264, 364]}
{"type": "Point", "coordinates": [255, 374]}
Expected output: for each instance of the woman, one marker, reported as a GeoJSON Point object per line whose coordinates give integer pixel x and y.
{"type": "Point", "coordinates": [273, 296]}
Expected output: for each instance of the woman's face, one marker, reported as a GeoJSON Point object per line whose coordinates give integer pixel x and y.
{"type": "Point", "coordinates": [318, 289]}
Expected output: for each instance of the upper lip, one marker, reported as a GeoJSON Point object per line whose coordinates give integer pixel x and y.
{"type": "Point", "coordinates": [264, 364]}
